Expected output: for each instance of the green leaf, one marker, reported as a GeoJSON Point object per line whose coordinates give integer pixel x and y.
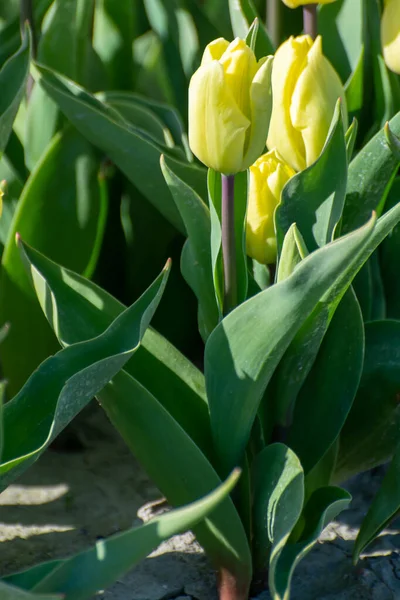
{"type": "Point", "coordinates": [299, 357]}
{"type": "Point", "coordinates": [371, 174]}
{"type": "Point", "coordinates": [326, 396]}
{"type": "Point", "coordinates": [178, 467]}
{"type": "Point", "coordinates": [314, 198]}
{"type": "Point", "coordinates": [66, 382]}
{"type": "Point", "coordinates": [63, 200]}
{"type": "Point", "coordinates": [242, 14]}
{"type": "Point", "coordinates": [341, 26]}
{"type": "Point", "coordinates": [9, 592]}
{"type": "Point", "coordinates": [167, 114]}
{"type": "Point", "coordinates": [246, 347]}
{"type": "Point", "coordinates": [278, 502]}
{"type": "Point", "coordinates": [293, 252]}
{"type": "Point", "coordinates": [196, 256]}
{"type": "Point", "coordinates": [389, 260]}
{"type": "Point", "coordinates": [81, 576]}
{"type": "Point", "coordinates": [355, 88]}
{"type": "Point", "coordinates": [69, 25]}
{"type": "Point", "coordinates": [116, 25]}
{"type": "Point", "coordinates": [177, 410]}
{"type": "Point", "coordinates": [371, 432]}
{"type": "Point", "coordinates": [42, 115]}
{"type": "Point", "coordinates": [384, 508]}
{"type": "Point", "coordinates": [80, 310]}
{"type": "Point", "coordinates": [135, 154]}
{"type": "Point", "coordinates": [324, 505]}
{"type": "Point", "coordinates": [13, 78]}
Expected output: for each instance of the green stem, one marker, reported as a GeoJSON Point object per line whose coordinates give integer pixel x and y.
{"type": "Point", "coordinates": [228, 242]}
{"type": "Point", "coordinates": [274, 21]}
{"type": "Point", "coordinates": [310, 20]}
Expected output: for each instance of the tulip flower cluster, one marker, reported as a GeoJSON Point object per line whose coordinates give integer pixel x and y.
{"type": "Point", "coordinates": [230, 121]}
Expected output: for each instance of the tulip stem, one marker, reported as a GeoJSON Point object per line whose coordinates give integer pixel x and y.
{"type": "Point", "coordinates": [310, 20]}
{"type": "Point", "coordinates": [228, 242]}
{"type": "Point", "coordinates": [274, 21]}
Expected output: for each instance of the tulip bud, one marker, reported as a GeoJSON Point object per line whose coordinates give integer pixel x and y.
{"type": "Point", "coordinates": [390, 34]}
{"type": "Point", "coordinates": [296, 3]}
{"type": "Point", "coordinates": [305, 90]}
{"type": "Point", "coordinates": [229, 106]}
{"type": "Point", "coordinates": [268, 176]}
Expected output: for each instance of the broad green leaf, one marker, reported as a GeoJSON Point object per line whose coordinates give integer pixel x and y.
{"type": "Point", "coordinates": [62, 201]}
{"type": "Point", "coordinates": [13, 78]}
{"type": "Point", "coordinates": [362, 286]}
{"type": "Point", "coordinates": [355, 88]}
{"type": "Point", "coordinates": [167, 114]}
{"type": "Point", "coordinates": [314, 198]}
{"type": "Point", "coordinates": [240, 208]}
{"type": "Point", "coordinates": [135, 154]}
{"type": "Point", "coordinates": [9, 592]}
{"type": "Point", "coordinates": [370, 176]}
{"type": "Point", "coordinates": [59, 389]}
{"type": "Point", "coordinates": [178, 467]}
{"type": "Point", "coordinates": [299, 357]}
{"type": "Point", "coordinates": [324, 505]}
{"type": "Point", "coordinates": [80, 310]}
{"type": "Point", "coordinates": [341, 26]}
{"type": "Point", "coordinates": [116, 25]}
{"type": "Point", "coordinates": [371, 432]}
{"type": "Point", "coordinates": [81, 576]}
{"type": "Point", "coordinates": [68, 25]}
{"type": "Point", "coordinates": [140, 116]}
{"type": "Point", "coordinates": [163, 19]}
{"type": "Point", "coordinates": [384, 508]}
{"type": "Point", "coordinates": [278, 502]}
{"type": "Point", "coordinates": [242, 14]}
{"type": "Point", "coordinates": [196, 256]}
{"type": "Point", "coordinates": [389, 260]}
{"type": "Point", "coordinates": [42, 116]}
{"type": "Point", "coordinates": [351, 136]}
{"type": "Point", "coordinates": [177, 410]}
{"type": "Point", "coordinates": [326, 396]}
{"type": "Point", "coordinates": [246, 347]}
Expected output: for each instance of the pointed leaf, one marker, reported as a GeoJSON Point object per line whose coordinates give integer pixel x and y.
{"type": "Point", "coordinates": [63, 200]}
{"type": "Point", "coordinates": [314, 198]}
{"type": "Point", "coordinates": [13, 78]}
{"type": "Point", "coordinates": [81, 576]}
{"type": "Point", "coordinates": [244, 350]}
{"type": "Point", "coordinates": [134, 153]}
{"type": "Point", "coordinates": [66, 382]}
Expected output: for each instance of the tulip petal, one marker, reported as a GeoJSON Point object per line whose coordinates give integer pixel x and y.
{"type": "Point", "coordinates": [261, 107]}
{"type": "Point", "coordinates": [289, 62]}
{"type": "Point", "coordinates": [268, 176]}
{"type": "Point", "coordinates": [313, 101]}
{"type": "Point", "coordinates": [390, 34]}
{"type": "Point", "coordinates": [217, 128]}
{"type": "Point", "coordinates": [240, 66]}
{"type": "Point", "coordinates": [214, 50]}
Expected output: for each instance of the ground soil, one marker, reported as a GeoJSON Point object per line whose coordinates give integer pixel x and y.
{"type": "Point", "coordinates": [93, 487]}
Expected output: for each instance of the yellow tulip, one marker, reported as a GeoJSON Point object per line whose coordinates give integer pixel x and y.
{"type": "Point", "coordinates": [305, 89]}
{"type": "Point", "coordinates": [296, 3]}
{"type": "Point", "coordinates": [268, 176]}
{"type": "Point", "coordinates": [229, 106]}
{"type": "Point", "coordinates": [390, 34]}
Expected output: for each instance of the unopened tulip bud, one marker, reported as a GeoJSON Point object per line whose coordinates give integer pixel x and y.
{"type": "Point", "coordinates": [268, 176]}
{"type": "Point", "coordinates": [390, 34]}
{"type": "Point", "coordinates": [305, 89]}
{"type": "Point", "coordinates": [229, 106]}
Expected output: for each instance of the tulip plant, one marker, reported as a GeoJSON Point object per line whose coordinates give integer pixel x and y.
{"type": "Point", "coordinates": [283, 202]}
